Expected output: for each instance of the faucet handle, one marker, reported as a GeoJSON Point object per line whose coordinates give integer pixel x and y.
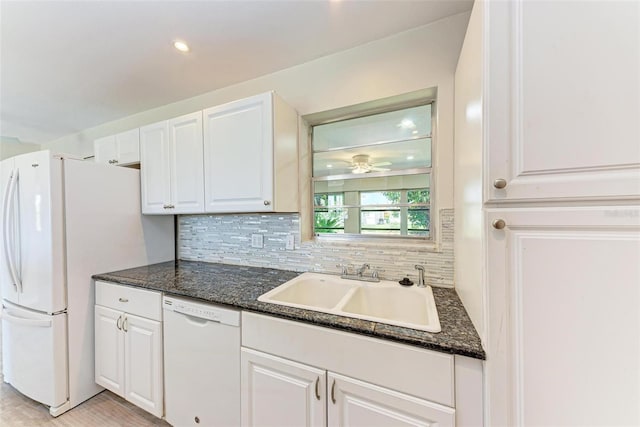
{"type": "Point", "coordinates": [344, 268]}
{"type": "Point", "coordinates": [376, 273]}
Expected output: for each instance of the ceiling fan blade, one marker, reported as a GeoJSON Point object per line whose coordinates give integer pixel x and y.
{"type": "Point", "coordinates": [375, 165]}
{"type": "Point", "coordinates": [376, 169]}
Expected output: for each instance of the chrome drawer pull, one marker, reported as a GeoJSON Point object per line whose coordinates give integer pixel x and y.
{"type": "Point", "coordinates": [123, 300]}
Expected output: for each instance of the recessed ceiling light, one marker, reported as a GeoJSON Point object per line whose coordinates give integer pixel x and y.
{"type": "Point", "coordinates": [181, 46]}
{"type": "Point", "coordinates": [410, 157]}
{"type": "Point", "coordinates": [414, 132]}
{"type": "Point", "coordinates": [329, 166]}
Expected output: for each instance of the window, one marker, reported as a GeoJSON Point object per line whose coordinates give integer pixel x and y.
{"type": "Point", "coordinates": [372, 174]}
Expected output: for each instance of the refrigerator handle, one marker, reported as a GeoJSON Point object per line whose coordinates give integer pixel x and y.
{"type": "Point", "coordinates": [26, 322]}
{"type": "Point", "coordinates": [7, 208]}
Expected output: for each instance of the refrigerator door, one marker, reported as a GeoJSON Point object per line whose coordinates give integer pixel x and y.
{"type": "Point", "coordinates": [40, 228]}
{"type": "Point", "coordinates": [8, 231]}
{"type": "Point", "coordinates": [34, 355]}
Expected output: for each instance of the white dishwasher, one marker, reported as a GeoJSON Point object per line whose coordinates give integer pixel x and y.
{"type": "Point", "coordinates": [201, 363]}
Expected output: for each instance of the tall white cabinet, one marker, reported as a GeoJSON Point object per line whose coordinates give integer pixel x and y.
{"type": "Point", "coordinates": [561, 212]}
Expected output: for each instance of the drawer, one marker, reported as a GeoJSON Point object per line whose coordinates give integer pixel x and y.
{"type": "Point", "coordinates": [141, 302]}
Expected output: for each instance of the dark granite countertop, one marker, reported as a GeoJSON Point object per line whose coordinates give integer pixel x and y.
{"type": "Point", "coordinates": [240, 287]}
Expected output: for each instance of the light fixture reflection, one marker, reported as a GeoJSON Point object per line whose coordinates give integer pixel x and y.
{"type": "Point", "coordinates": [181, 46]}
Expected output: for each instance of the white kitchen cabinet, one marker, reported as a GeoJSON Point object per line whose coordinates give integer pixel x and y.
{"type": "Point", "coordinates": [366, 382]}
{"type": "Point", "coordinates": [121, 149]}
{"type": "Point", "coordinates": [251, 156]}
{"type": "Point", "coordinates": [564, 323]}
{"type": "Point", "coordinates": [128, 337]}
{"type": "Point", "coordinates": [356, 403]}
{"type": "Point", "coordinates": [561, 121]}
{"type": "Point", "coordinates": [171, 166]}
{"type": "Point", "coordinates": [279, 392]}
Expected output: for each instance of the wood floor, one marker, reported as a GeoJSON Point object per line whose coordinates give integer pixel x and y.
{"type": "Point", "coordinates": [106, 409]}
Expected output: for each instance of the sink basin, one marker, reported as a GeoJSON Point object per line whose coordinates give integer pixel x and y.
{"type": "Point", "coordinates": [383, 302]}
{"type": "Point", "coordinates": [310, 291]}
{"type": "Point", "coordinates": [410, 307]}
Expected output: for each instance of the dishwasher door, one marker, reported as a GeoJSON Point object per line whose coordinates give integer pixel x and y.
{"type": "Point", "coordinates": [201, 364]}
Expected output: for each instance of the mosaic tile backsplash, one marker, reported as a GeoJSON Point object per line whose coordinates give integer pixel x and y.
{"type": "Point", "coordinates": [227, 239]}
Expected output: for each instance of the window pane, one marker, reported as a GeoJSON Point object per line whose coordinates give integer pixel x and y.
{"type": "Point", "coordinates": [380, 221]}
{"type": "Point", "coordinates": [379, 197]}
{"type": "Point", "coordinates": [396, 125]}
{"type": "Point", "coordinates": [329, 221]}
{"type": "Point", "coordinates": [418, 196]}
{"type": "Point", "coordinates": [390, 157]}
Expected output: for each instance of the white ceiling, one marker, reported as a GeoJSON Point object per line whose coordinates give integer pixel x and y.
{"type": "Point", "coordinates": [66, 66]}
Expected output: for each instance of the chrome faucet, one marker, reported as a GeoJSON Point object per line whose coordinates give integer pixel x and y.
{"type": "Point", "coordinates": [362, 269]}
{"type": "Point", "coordinates": [421, 283]}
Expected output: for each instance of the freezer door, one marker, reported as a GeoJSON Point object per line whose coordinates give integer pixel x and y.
{"type": "Point", "coordinates": [41, 231]}
{"type": "Point", "coordinates": [8, 231]}
{"type": "Point", "coordinates": [34, 354]}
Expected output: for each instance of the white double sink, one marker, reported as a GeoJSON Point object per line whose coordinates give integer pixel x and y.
{"type": "Point", "coordinates": [384, 301]}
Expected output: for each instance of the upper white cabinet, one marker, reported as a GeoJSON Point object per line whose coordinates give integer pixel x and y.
{"type": "Point", "coordinates": [251, 156]}
{"type": "Point", "coordinates": [171, 169]}
{"type": "Point", "coordinates": [562, 101]}
{"type": "Point", "coordinates": [122, 149]}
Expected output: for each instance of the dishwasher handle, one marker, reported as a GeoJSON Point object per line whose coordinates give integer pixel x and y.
{"type": "Point", "coordinates": [200, 313]}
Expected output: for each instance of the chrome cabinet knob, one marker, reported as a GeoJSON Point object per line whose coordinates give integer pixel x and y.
{"type": "Point", "coordinates": [498, 224]}
{"type": "Point", "coordinates": [500, 183]}
{"type": "Point", "coordinates": [267, 202]}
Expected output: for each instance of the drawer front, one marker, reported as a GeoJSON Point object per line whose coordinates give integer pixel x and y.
{"type": "Point", "coordinates": [140, 302]}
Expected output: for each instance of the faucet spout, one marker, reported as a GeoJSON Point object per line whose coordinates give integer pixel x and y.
{"type": "Point", "coordinates": [362, 269]}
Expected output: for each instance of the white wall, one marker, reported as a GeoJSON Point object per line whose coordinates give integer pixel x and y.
{"type": "Point", "coordinates": [12, 148]}
{"type": "Point", "coordinates": [416, 59]}
{"type": "Point", "coordinates": [469, 258]}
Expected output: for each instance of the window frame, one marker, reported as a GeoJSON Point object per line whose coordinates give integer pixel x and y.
{"type": "Point", "coordinates": [431, 208]}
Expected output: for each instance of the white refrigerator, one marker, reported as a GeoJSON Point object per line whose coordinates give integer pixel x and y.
{"type": "Point", "coordinates": [62, 221]}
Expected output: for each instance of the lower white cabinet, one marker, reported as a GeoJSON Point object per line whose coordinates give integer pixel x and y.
{"type": "Point", "coordinates": [281, 392]}
{"type": "Point", "coordinates": [358, 403]}
{"type": "Point", "coordinates": [129, 346]}
{"type": "Point", "coordinates": [295, 374]}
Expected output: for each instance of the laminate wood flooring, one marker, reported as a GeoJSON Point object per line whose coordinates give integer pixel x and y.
{"type": "Point", "coordinates": [104, 410]}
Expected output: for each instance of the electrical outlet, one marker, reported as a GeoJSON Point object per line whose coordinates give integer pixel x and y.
{"type": "Point", "coordinates": [257, 241]}
{"type": "Point", "coordinates": [290, 244]}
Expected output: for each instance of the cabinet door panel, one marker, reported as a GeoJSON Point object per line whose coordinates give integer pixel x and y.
{"type": "Point", "coordinates": [566, 127]}
{"type": "Point", "coordinates": [105, 149]}
{"type": "Point", "coordinates": [143, 363]}
{"type": "Point", "coordinates": [155, 168]}
{"type": "Point", "coordinates": [278, 392]}
{"type": "Point", "coordinates": [564, 326]}
{"type": "Point", "coordinates": [109, 350]}
{"type": "Point", "coordinates": [187, 181]}
{"type": "Point", "coordinates": [238, 150]}
{"type": "Point", "coordinates": [356, 403]}
{"type": "Point", "coordinates": [128, 145]}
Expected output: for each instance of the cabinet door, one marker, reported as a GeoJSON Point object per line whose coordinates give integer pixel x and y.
{"type": "Point", "coordinates": [128, 146]}
{"type": "Point", "coordinates": [278, 392]}
{"type": "Point", "coordinates": [143, 363]}
{"type": "Point", "coordinates": [564, 326]}
{"type": "Point", "coordinates": [357, 403]}
{"type": "Point", "coordinates": [560, 125]}
{"type": "Point", "coordinates": [155, 168]}
{"type": "Point", "coordinates": [105, 150]}
{"type": "Point", "coordinates": [187, 177]}
{"type": "Point", "coordinates": [109, 349]}
{"type": "Point", "coordinates": [238, 156]}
